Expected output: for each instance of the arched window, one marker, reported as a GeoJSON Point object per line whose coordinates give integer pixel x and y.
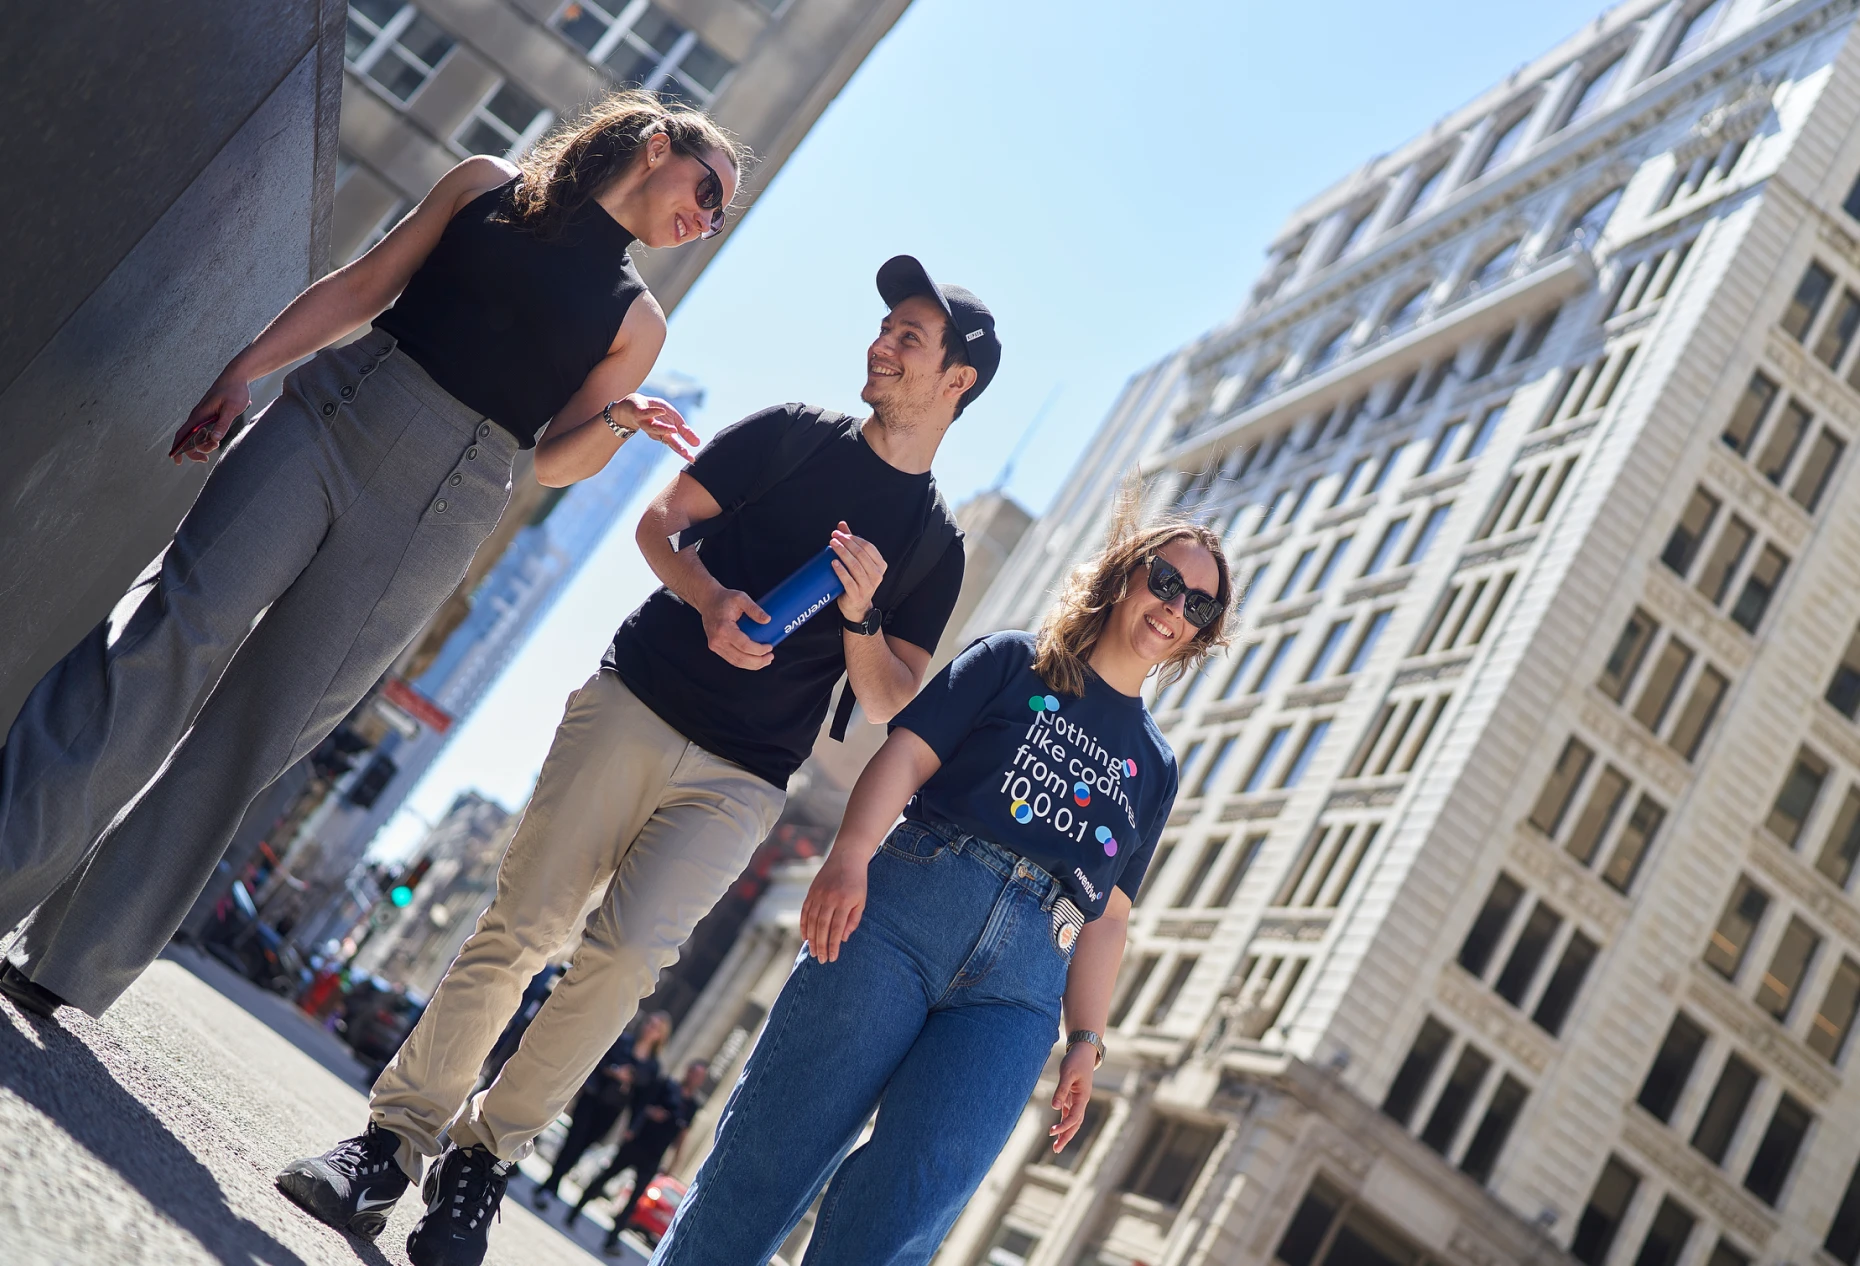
{"type": "Point", "coordinates": [1407, 311]}
{"type": "Point", "coordinates": [1695, 31]}
{"type": "Point", "coordinates": [1595, 90]}
{"type": "Point", "coordinates": [1424, 190]}
{"type": "Point", "coordinates": [1507, 141]}
{"type": "Point", "coordinates": [1587, 227]}
{"type": "Point", "coordinates": [1328, 351]}
{"type": "Point", "coordinates": [1493, 267]}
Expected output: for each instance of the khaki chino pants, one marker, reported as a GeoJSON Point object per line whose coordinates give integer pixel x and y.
{"type": "Point", "coordinates": [626, 808]}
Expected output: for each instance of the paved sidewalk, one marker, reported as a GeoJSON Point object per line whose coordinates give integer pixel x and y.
{"type": "Point", "coordinates": [151, 1136]}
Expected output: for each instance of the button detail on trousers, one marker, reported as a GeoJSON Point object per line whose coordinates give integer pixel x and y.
{"type": "Point", "coordinates": [484, 429]}
{"type": "Point", "coordinates": [368, 369]}
{"type": "Point", "coordinates": [329, 408]}
{"type": "Point", "coordinates": [347, 393]}
{"type": "Point", "coordinates": [439, 506]}
{"type": "Point", "coordinates": [471, 454]}
{"type": "Point", "coordinates": [456, 480]}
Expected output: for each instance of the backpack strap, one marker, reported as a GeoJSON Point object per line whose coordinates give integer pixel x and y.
{"type": "Point", "coordinates": [804, 439]}
{"type": "Point", "coordinates": [934, 537]}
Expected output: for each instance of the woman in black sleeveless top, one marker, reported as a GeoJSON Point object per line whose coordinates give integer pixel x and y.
{"type": "Point", "coordinates": [344, 518]}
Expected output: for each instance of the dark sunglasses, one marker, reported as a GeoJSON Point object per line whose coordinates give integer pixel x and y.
{"type": "Point", "coordinates": [710, 197]}
{"type": "Point", "coordinates": [1199, 609]}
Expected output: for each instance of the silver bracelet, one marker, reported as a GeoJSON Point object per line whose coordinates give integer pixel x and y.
{"type": "Point", "coordinates": [607, 416]}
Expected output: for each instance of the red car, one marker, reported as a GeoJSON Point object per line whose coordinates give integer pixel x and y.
{"type": "Point", "coordinates": [652, 1216]}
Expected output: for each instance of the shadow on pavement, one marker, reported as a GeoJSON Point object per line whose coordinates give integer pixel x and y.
{"type": "Point", "coordinates": [68, 1083]}
{"type": "Point", "coordinates": [277, 1014]}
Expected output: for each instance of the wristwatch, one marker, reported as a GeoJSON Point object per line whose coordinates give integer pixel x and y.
{"type": "Point", "coordinates": [1086, 1035]}
{"type": "Point", "coordinates": [873, 622]}
{"type": "Point", "coordinates": [607, 416]}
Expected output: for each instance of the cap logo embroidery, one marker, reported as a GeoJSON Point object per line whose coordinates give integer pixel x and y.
{"type": "Point", "coordinates": [972, 335]}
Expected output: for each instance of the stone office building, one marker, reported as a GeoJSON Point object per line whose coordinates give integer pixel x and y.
{"type": "Point", "coordinates": [1506, 914]}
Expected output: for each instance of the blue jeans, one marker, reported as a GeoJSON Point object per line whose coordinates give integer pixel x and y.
{"type": "Point", "coordinates": [940, 1014]}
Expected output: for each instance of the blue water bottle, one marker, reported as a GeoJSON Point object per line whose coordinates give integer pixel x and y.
{"type": "Point", "coordinates": [791, 603]}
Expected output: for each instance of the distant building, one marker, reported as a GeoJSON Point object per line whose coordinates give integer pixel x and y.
{"type": "Point", "coordinates": [420, 941]}
{"type": "Point", "coordinates": [1506, 914]}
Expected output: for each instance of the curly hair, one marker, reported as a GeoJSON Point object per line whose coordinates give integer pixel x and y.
{"type": "Point", "coordinates": [1077, 619]}
{"type": "Point", "coordinates": [570, 166]}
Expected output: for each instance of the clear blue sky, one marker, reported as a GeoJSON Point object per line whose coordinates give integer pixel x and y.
{"type": "Point", "coordinates": [1105, 176]}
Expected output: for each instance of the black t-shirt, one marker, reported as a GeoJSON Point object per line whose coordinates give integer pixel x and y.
{"type": "Point", "coordinates": [1080, 786]}
{"type": "Point", "coordinates": [766, 719]}
{"type": "Point", "coordinates": [604, 1089]}
{"type": "Point", "coordinates": [652, 1135]}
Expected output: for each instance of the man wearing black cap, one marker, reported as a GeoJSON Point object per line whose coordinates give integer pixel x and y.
{"type": "Point", "coordinates": [671, 763]}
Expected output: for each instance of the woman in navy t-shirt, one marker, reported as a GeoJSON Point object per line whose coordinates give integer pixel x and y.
{"type": "Point", "coordinates": [1033, 785]}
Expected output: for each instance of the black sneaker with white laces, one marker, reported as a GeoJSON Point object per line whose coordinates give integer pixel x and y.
{"type": "Point", "coordinates": [463, 1191]}
{"type": "Point", "coordinates": [352, 1186]}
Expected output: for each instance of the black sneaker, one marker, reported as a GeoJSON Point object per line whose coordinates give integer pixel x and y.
{"type": "Point", "coordinates": [352, 1186]}
{"type": "Point", "coordinates": [462, 1191]}
{"type": "Point", "coordinates": [20, 990]}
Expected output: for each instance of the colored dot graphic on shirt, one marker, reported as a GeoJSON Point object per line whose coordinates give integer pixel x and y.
{"type": "Point", "coordinates": [1081, 794]}
{"type": "Point", "coordinates": [1109, 841]}
{"type": "Point", "coordinates": [1130, 767]}
{"type": "Point", "coordinates": [1037, 703]}
{"type": "Point", "coordinates": [1022, 811]}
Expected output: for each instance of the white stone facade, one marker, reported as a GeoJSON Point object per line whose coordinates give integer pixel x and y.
{"type": "Point", "coordinates": [1506, 912]}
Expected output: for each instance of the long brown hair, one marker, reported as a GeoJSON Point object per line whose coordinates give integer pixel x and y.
{"type": "Point", "coordinates": [575, 162]}
{"type": "Point", "coordinates": [1077, 619]}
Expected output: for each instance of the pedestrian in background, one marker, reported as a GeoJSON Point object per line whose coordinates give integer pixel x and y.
{"type": "Point", "coordinates": [660, 1120]}
{"type": "Point", "coordinates": [941, 953]}
{"type": "Point", "coordinates": [626, 1077]}
{"type": "Point", "coordinates": [672, 760]}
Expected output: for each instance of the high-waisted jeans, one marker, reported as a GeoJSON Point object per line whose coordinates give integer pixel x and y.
{"type": "Point", "coordinates": [939, 1013]}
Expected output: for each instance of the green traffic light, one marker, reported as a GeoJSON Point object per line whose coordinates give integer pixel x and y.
{"type": "Point", "coordinates": [401, 896]}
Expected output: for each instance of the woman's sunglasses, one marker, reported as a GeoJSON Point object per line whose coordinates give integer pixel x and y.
{"type": "Point", "coordinates": [1199, 609]}
{"type": "Point", "coordinates": [710, 197]}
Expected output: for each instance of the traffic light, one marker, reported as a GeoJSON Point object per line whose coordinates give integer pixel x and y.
{"type": "Point", "coordinates": [401, 894]}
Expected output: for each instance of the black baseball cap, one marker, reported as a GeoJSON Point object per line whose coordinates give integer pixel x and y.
{"type": "Point", "coordinates": [902, 276]}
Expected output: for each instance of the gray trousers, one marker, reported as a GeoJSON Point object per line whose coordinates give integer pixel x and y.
{"type": "Point", "coordinates": [323, 541]}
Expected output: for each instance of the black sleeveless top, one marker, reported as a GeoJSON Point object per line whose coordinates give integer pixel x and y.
{"type": "Point", "coordinates": [509, 323]}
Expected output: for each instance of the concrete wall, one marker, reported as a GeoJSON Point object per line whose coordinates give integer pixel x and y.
{"type": "Point", "coordinates": [172, 166]}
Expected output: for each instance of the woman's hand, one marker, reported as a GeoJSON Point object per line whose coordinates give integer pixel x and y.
{"type": "Point", "coordinates": [835, 901]}
{"type": "Point", "coordinates": [206, 426]}
{"type": "Point", "coordinates": [1072, 1093]}
{"type": "Point", "coordinates": [656, 419]}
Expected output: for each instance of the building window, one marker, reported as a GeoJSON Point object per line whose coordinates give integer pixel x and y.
{"type": "Point", "coordinates": [1695, 31]}
{"type": "Point", "coordinates": [1672, 1067]}
{"type": "Point", "coordinates": [1527, 954]}
{"type": "Point", "coordinates": [1143, 970]}
{"type": "Point", "coordinates": [1489, 927]}
{"type": "Point", "coordinates": [506, 123]}
{"type": "Point", "coordinates": [1636, 837]}
{"type": "Point", "coordinates": [1724, 1111]}
{"type": "Point", "coordinates": [1406, 312]}
{"type": "Point", "coordinates": [1329, 1230]}
{"type": "Point", "coordinates": [1785, 438]}
{"type": "Point", "coordinates": [1625, 659]}
{"type": "Point", "coordinates": [1171, 990]}
{"type": "Point", "coordinates": [1605, 799]}
{"type": "Point", "coordinates": [1011, 1247]}
{"type": "Point", "coordinates": [1701, 709]}
{"type": "Point", "coordinates": [1307, 750]}
{"type": "Point", "coordinates": [1667, 1235]}
{"type": "Point", "coordinates": [1366, 644]}
{"type": "Point", "coordinates": [1501, 1113]}
{"type": "Point", "coordinates": [1328, 571]}
{"type": "Point", "coordinates": [1327, 352]}
{"type": "Point", "coordinates": [1242, 662]}
{"type": "Point", "coordinates": [1274, 662]}
{"type": "Point", "coordinates": [1843, 1242]}
{"type": "Point", "coordinates": [1726, 556]}
{"type": "Point", "coordinates": [1332, 640]}
{"type": "Point", "coordinates": [1842, 844]}
{"type": "Point", "coordinates": [1838, 335]}
{"type": "Point", "coordinates": [1247, 850]}
{"type": "Point", "coordinates": [1777, 989]}
{"type": "Point", "coordinates": [1298, 571]}
{"type": "Point", "coordinates": [1797, 798]}
{"type": "Point", "coordinates": [1810, 293]}
{"type": "Point", "coordinates": [1417, 1070]}
{"type": "Point", "coordinates": [1844, 688]}
{"type": "Point", "coordinates": [1586, 229]}
{"type": "Point", "coordinates": [1553, 802]}
{"type": "Point", "coordinates": [644, 47]}
{"type": "Point", "coordinates": [1759, 587]}
{"type": "Point", "coordinates": [1752, 407]}
{"type": "Point", "coordinates": [1430, 528]}
{"type": "Point", "coordinates": [1602, 1217]}
{"type": "Point", "coordinates": [394, 46]}
{"type": "Point", "coordinates": [1185, 895]}
{"type": "Point", "coordinates": [1171, 1159]}
{"type": "Point", "coordinates": [1811, 479]}
{"type": "Point", "coordinates": [1211, 772]}
{"type": "Point", "coordinates": [1493, 268]}
{"type": "Point", "coordinates": [1730, 940]}
{"type": "Point", "coordinates": [1594, 92]}
{"type": "Point", "coordinates": [1565, 983]}
{"type": "Point", "coordinates": [1663, 684]}
{"type": "Point", "coordinates": [1348, 239]}
{"type": "Point", "coordinates": [1776, 1153]}
{"type": "Point", "coordinates": [1834, 1019]}
{"type": "Point", "coordinates": [1456, 1097]}
{"type": "Point", "coordinates": [1682, 547]}
{"type": "Point", "coordinates": [1504, 143]}
{"type": "Point", "coordinates": [1263, 763]}
{"type": "Point", "coordinates": [1443, 444]}
{"type": "Point", "coordinates": [1385, 547]}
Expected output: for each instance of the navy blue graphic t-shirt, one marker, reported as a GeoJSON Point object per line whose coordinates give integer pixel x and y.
{"type": "Point", "coordinates": [1080, 786]}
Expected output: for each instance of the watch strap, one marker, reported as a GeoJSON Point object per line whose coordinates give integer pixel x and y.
{"type": "Point", "coordinates": [1086, 1035]}
{"type": "Point", "coordinates": [873, 622]}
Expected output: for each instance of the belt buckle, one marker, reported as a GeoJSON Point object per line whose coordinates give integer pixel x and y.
{"type": "Point", "coordinates": [1068, 922]}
